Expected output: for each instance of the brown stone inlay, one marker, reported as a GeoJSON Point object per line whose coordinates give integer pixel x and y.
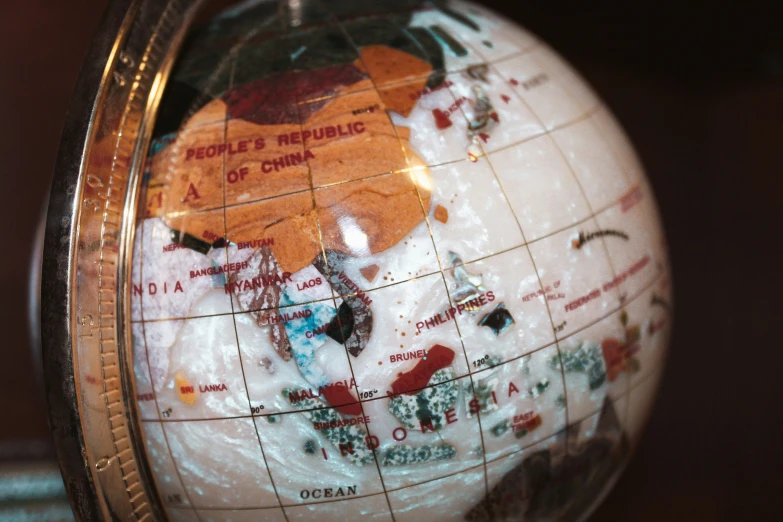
{"type": "Point", "coordinates": [369, 272]}
{"type": "Point", "coordinates": [441, 214]}
{"type": "Point", "coordinates": [231, 157]}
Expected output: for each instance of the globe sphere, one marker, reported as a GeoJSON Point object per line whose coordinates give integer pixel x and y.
{"type": "Point", "coordinates": [393, 261]}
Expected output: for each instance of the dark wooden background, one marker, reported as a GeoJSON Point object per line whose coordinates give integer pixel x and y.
{"type": "Point", "coordinates": [699, 88]}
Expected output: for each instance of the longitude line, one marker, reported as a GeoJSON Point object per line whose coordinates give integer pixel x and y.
{"type": "Point", "coordinates": [570, 95]}
{"type": "Point", "coordinates": [233, 316]}
{"type": "Point", "coordinates": [141, 260]}
{"type": "Point", "coordinates": [594, 214]}
{"type": "Point", "coordinates": [459, 333]}
{"type": "Point", "coordinates": [587, 201]}
{"type": "Point", "coordinates": [446, 286]}
{"type": "Point", "coordinates": [152, 383]}
{"type": "Point", "coordinates": [527, 246]}
{"type": "Point", "coordinates": [334, 298]}
{"type": "Point", "coordinates": [342, 29]}
{"type": "Point", "coordinates": [331, 289]}
{"type": "Point", "coordinates": [615, 158]}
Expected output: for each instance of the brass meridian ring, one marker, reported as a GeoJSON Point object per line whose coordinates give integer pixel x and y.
{"type": "Point", "coordinates": [85, 272]}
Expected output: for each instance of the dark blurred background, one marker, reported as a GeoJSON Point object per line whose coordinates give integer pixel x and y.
{"type": "Point", "coordinates": [699, 89]}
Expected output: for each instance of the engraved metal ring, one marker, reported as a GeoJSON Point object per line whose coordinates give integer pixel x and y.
{"type": "Point", "coordinates": [89, 238]}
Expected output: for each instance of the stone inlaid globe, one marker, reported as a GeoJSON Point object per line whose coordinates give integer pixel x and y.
{"type": "Point", "coordinates": [394, 261]}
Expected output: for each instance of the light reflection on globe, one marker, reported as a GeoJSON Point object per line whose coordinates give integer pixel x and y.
{"type": "Point", "coordinates": [394, 261]}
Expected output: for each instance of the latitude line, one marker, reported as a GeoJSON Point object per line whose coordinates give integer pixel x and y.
{"type": "Point", "coordinates": [564, 430]}
{"type": "Point", "coordinates": [376, 89]}
{"type": "Point", "coordinates": [410, 79]}
{"type": "Point", "coordinates": [628, 301]}
{"type": "Point", "coordinates": [569, 70]}
{"type": "Point", "coordinates": [515, 451]}
{"type": "Point", "coordinates": [606, 208]}
{"type": "Point", "coordinates": [182, 213]}
{"type": "Point", "coordinates": [611, 312]}
{"type": "Point", "coordinates": [586, 115]}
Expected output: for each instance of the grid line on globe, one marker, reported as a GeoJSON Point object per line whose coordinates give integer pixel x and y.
{"type": "Point", "coordinates": [643, 381]}
{"type": "Point", "coordinates": [401, 171]}
{"type": "Point", "coordinates": [475, 152]}
{"type": "Point", "coordinates": [577, 223]}
{"type": "Point", "coordinates": [589, 217]}
{"type": "Point", "coordinates": [484, 370]}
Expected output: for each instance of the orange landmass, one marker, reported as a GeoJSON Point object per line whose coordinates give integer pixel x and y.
{"type": "Point", "coordinates": [441, 214]}
{"type": "Point", "coordinates": [365, 175]}
{"type": "Point", "coordinates": [369, 272]}
{"type": "Point", "coordinates": [181, 383]}
{"type": "Point", "coordinates": [386, 66]}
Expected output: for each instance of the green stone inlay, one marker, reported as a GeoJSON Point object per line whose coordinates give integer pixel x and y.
{"type": "Point", "coordinates": [405, 454]}
{"type": "Point", "coordinates": [350, 441]}
{"type": "Point", "coordinates": [426, 410]}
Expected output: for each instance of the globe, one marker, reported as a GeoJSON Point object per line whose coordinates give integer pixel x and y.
{"type": "Point", "coordinates": [393, 261]}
